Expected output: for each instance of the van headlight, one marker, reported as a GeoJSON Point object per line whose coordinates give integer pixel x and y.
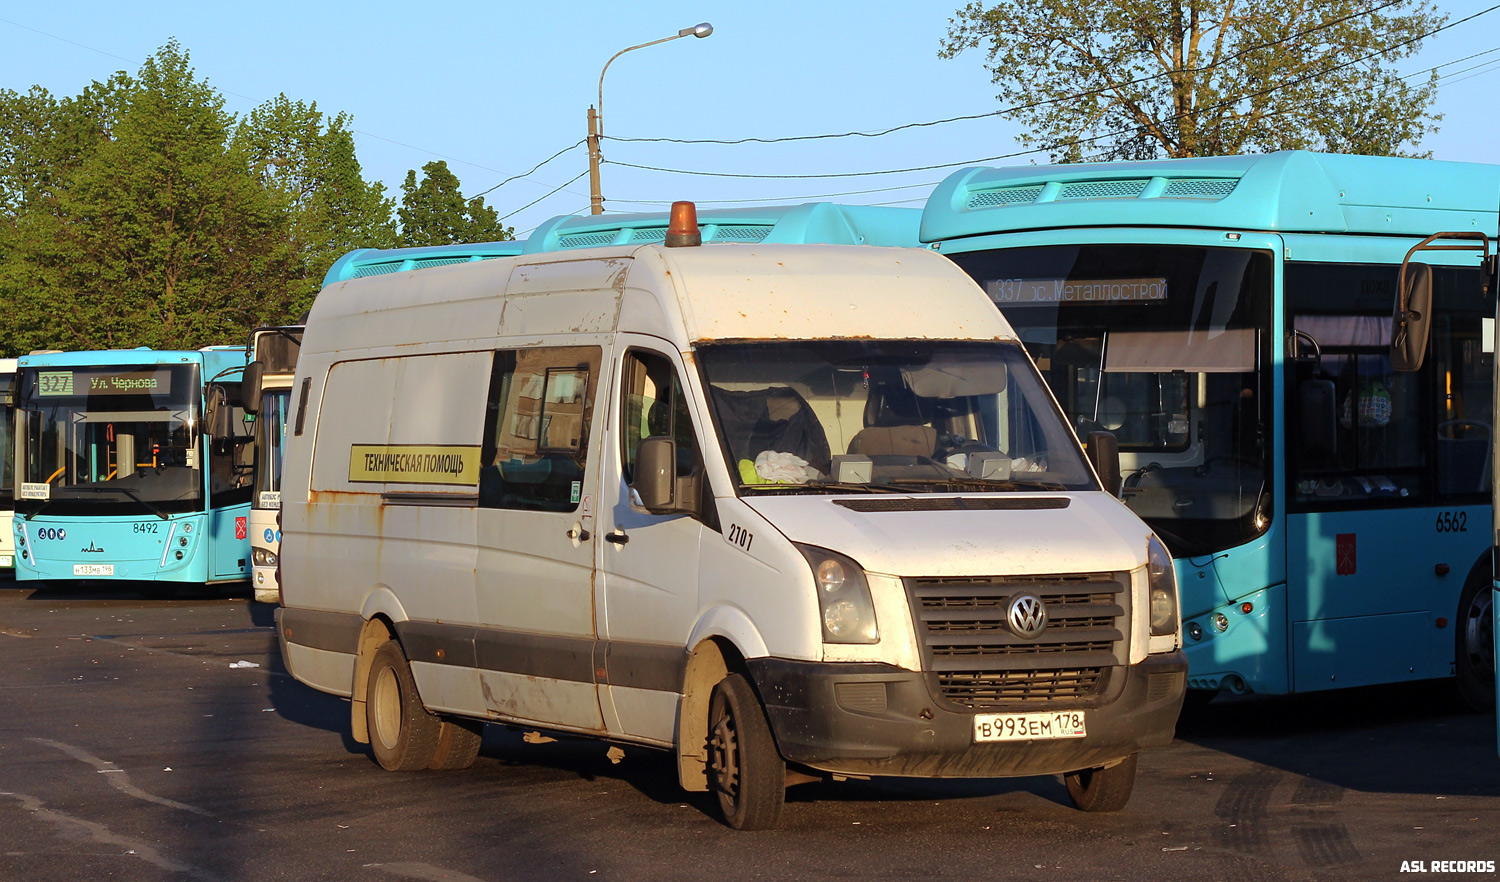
{"type": "Point", "coordinates": [1162, 581]}
{"type": "Point", "coordinates": [843, 597]}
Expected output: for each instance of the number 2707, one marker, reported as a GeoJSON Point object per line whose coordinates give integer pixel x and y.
{"type": "Point", "coordinates": [1452, 522]}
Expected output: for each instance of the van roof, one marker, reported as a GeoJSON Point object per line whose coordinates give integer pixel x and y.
{"type": "Point", "coordinates": [687, 295]}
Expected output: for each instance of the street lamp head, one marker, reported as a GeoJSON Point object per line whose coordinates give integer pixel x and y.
{"type": "Point", "coordinates": [702, 29]}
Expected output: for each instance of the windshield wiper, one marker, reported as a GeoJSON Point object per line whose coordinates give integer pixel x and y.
{"type": "Point", "coordinates": [127, 491]}
{"type": "Point", "coordinates": [822, 486]}
{"type": "Point", "coordinates": [980, 484]}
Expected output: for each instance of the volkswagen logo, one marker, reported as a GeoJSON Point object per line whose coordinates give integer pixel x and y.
{"type": "Point", "coordinates": [1026, 615]}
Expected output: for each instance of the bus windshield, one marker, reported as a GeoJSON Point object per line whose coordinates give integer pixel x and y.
{"type": "Point", "coordinates": [271, 434]}
{"type": "Point", "coordinates": [880, 416]}
{"type": "Point", "coordinates": [110, 440]}
{"type": "Point", "coordinates": [1164, 346]}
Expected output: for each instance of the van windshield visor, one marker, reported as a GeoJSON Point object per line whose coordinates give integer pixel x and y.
{"type": "Point", "coordinates": [118, 440]}
{"type": "Point", "coordinates": [903, 416]}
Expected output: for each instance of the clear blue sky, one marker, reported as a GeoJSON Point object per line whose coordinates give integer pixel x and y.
{"type": "Point", "coordinates": [495, 88]}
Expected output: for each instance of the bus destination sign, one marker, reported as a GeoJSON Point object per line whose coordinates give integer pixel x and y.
{"type": "Point", "coordinates": [1050, 292]}
{"type": "Point", "coordinates": [88, 382]}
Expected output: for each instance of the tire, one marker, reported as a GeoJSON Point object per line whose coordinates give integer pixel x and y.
{"type": "Point", "coordinates": [1102, 790]}
{"type": "Point", "coordinates": [744, 767]}
{"type": "Point", "coordinates": [403, 735]}
{"type": "Point", "coordinates": [1474, 646]}
{"type": "Point", "coordinates": [457, 744]}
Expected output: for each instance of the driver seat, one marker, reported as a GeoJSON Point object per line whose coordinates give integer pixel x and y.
{"type": "Point", "coordinates": [894, 425]}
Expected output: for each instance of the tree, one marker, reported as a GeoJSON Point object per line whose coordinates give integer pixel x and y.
{"type": "Point", "coordinates": [433, 212]}
{"type": "Point", "coordinates": [158, 235]}
{"type": "Point", "coordinates": [308, 163]}
{"type": "Point", "coordinates": [1120, 79]}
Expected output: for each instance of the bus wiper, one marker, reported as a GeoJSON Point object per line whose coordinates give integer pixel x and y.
{"type": "Point", "coordinates": [128, 492]}
{"type": "Point", "coordinates": [28, 515]}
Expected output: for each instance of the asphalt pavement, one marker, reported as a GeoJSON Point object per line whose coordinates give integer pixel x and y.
{"type": "Point", "coordinates": [163, 740]}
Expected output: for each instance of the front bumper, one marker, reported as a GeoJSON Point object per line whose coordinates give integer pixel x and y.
{"type": "Point", "coordinates": [832, 717]}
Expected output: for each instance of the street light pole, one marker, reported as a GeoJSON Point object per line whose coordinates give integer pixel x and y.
{"type": "Point", "coordinates": [596, 116]}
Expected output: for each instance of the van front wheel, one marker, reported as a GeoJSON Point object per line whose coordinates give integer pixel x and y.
{"type": "Point", "coordinates": [1102, 790]}
{"type": "Point", "coordinates": [744, 767]}
{"type": "Point", "coordinates": [403, 735]}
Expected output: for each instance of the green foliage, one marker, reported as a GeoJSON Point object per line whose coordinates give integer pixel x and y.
{"type": "Point", "coordinates": [142, 213]}
{"type": "Point", "coordinates": [1120, 79]}
{"type": "Point", "coordinates": [434, 212]}
{"type": "Point", "coordinates": [307, 163]}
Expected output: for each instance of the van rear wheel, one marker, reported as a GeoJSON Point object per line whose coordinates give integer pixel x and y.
{"type": "Point", "coordinates": [403, 735]}
{"type": "Point", "coordinates": [457, 744]}
{"type": "Point", "coordinates": [1102, 790]}
{"type": "Point", "coordinates": [745, 770]}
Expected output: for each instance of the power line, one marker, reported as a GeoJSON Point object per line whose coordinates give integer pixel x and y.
{"type": "Point", "coordinates": [540, 198]}
{"type": "Point", "coordinates": [533, 169]}
{"type": "Point", "coordinates": [1009, 110]}
{"type": "Point", "coordinates": [1178, 117]}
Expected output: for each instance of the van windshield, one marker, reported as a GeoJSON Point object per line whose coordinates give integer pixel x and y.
{"type": "Point", "coordinates": [907, 416]}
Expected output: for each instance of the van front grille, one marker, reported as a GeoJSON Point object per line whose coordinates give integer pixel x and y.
{"type": "Point", "coordinates": [979, 660]}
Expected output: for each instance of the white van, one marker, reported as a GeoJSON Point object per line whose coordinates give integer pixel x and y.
{"type": "Point", "coordinates": [788, 511]}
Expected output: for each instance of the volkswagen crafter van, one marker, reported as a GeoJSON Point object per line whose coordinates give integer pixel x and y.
{"type": "Point", "coordinates": [785, 511]}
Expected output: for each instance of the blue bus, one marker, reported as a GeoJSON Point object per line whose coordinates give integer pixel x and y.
{"type": "Point", "coordinates": [133, 466]}
{"type": "Point", "coordinates": [1230, 321]}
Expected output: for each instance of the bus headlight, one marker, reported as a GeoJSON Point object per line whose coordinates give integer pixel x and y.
{"type": "Point", "coordinates": [262, 557]}
{"type": "Point", "coordinates": [848, 614]}
{"type": "Point", "coordinates": [1162, 582]}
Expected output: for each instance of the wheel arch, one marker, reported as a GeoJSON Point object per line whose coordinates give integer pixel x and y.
{"type": "Point", "coordinates": [376, 631]}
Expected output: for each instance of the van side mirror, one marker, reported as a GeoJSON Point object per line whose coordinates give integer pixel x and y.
{"type": "Point", "coordinates": [250, 387]}
{"type": "Point", "coordinates": [1104, 454]}
{"type": "Point", "coordinates": [656, 474]}
{"type": "Point", "coordinates": [1411, 318]}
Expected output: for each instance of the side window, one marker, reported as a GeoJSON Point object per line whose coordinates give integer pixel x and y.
{"type": "Point", "coordinates": [1386, 437]}
{"type": "Point", "coordinates": [1462, 372]}
{"type": "Point", "coordinates": [231, 466]}
{"type": "Point", "coordinates": [655, 406]}
{"type": "Point", "coordinates": [536, 434]}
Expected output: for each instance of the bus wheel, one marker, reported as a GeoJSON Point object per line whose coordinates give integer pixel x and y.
{"type": "Point", "coordinates": [403, 734]}
{"type": "Point", "coordinates": [1474, 645]}
{"type": "Point", "coordinates": [744, 767]}
{"type": "Point", "coordinates": [1102, 790]}
{"type": "Point", "coordinates": [457, 744]}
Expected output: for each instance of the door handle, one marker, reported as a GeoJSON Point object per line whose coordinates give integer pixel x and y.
{"type": "Point", "coordinates": [578, 533]}
{"type": "Point", "coordinates": [617, 536]}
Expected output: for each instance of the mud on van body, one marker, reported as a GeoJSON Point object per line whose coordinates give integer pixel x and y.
{"type": "Point", "coordinates": [767, 507]}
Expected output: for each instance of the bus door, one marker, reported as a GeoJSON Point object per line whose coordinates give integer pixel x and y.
{"type": "Point", "coordinates": [1388, 475]}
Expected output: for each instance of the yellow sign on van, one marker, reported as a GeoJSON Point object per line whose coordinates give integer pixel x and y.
{"type": "Point", "coordinates": [413, 464]}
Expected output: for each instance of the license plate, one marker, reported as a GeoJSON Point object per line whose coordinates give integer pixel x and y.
{"type": "Point", "coordinates": [1028, 727]}
{"type": "Point", "coordinates": [93, 569]}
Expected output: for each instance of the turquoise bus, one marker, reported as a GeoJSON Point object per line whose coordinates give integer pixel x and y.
{"type": "Point", "coordinates": [133, 466]}
{"type": "Point", "coordinates": [1230, 321]}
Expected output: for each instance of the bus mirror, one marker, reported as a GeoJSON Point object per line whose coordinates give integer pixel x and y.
{"type": "Point", "coordinates": [250, 387]}
{"type": "Point", "coordinates": [1411, 317]}
{"type": "Point", "coordinates": [217, 414]}
{"type": "Point", "coordinates": [1104, 453]}
{"type": "Point", "coordinates": [656, 474]}
{"type": "Point", "coordinates": [1318, 422]}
